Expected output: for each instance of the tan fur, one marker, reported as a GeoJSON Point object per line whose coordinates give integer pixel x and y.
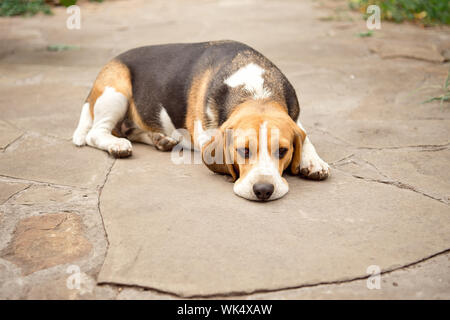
{"type": "Point", "coordinates": [251, 115]}
{"type": "Point", "coordinates": [196, 102]}
{"type": "Point", "coordinates": [117, 75]}
{"type": "Point", "coordinates": [218, 143]}
{"type": "Point", "coordinates": [114, 74]}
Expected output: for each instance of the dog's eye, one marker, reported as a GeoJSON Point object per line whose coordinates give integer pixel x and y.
{"type": "Point", "coordinates": [280, 153]}
{"type": "Point", "coordinates": [244, 152]}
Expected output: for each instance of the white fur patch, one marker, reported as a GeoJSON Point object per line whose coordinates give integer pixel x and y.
{"type": "Point", "coordinates": [300, 125]}
{"type": "Point", "coordinates": [84, 125]}
{"type": "Point", "coordinates": [200, 135]}
{"type": "Point", "coordinates": [251, 78]}
{"type": "Point", "coordinates": [311, 160]}
{"type": "Point", "coordinates": [265, 171]}
{"type": "Point", "coordinates": [166, 122]}
{"type": "Point", "coordinates": [109, 109]}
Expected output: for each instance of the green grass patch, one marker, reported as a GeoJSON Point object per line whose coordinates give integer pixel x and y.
{"type": "Point", "coordinates": [67, 3]}
{"type": "Point", "coordinates": [426, 12]}
{"type": "Point", "coordinates": [30, 7]}
{"type": "Point", "coordinates": [365, 34]}
{"type": "Point", "coordinates": [23, 7]}
{"type": "Point", "coordinates": [61, 47]}
{"type": "Point", "coordinates": [445, 94]}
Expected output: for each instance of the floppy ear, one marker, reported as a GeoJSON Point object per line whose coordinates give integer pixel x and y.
{"type": "Point", "coordinates": [216, 154]}
{"type": "Point", "coordinates": [299, 138]}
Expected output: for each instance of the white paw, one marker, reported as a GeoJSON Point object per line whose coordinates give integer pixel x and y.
{"type": "Point", "coordinates": [79, 138]}
{"type": "Point", "coordinates": [314, 168]}
{"type": "Point", "coordinates": [120, 148]}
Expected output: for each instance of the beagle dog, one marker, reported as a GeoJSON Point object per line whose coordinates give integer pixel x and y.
{"type": "Point", "coordinates": [152, 94]}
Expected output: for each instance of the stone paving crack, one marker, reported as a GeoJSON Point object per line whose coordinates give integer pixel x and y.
{"type": "Point", "coordinates": [11, 179]}
{"type": "Point", "coordinates": [420, 147]}
{"type": "Point", "coordinates": [377, 170]}
{"type": "Point", "coordinates": [99, 194]}
{"type": "Point", "coordinates": [388, 180]}
{"type": "Point", "coordinates": [402, 185]}
{"type": "Point", "coordinates": [262, 290]}
{"type": "Point", "coordinates": [16, 193]}
{"type": "Point", "coordinates": [3, 150]}
{"type": "Point", "coordinates": [342, 159]}
{"type": "Point", "coordinates": [334, 136]}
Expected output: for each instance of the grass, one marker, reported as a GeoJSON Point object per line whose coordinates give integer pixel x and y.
{"type": "Point", "coordinates": [445, 96]}
{"type": "Point", "coordinates": [426, 12]}
{"type": "Point", "coordinates": [68, 3]}
{"type": "Point", "coordinates": [30, 7]}
{"type": "Point", "coordinates": [23, 7]}
{"type": "Point", "coordinates": [61, 47]}
{"type": "Point", "coordinates": [365, 34]}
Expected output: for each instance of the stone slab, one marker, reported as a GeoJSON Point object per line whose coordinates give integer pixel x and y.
{"type": "Point", "coordinates": [391, 133]}
{"type": "Point", "coordinates": [9, 189]}
{"type": "Point", "coordinates": [8, 134]}
{"type": "Point", "coordinates": [192, 236]}
{"type": "Point", "coordinates": [47, 159]}
{"type": "Point", "coordinates": [425, 170]}
{"type": "Point", "coordinates": [47, 240]}
{"type": "Point", "coordinates": [407, 49]}
{"type": "Point", "coordinates": [429, 279]}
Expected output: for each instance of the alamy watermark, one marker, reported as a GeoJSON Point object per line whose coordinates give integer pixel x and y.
{"type": "Point", "coordinates": [73, 22]}
{"type": "Point", "coordinates": [79, 280]}
{"type": "Point", "coordinates": [374, 280]}
{"type": "Point", "coordinates": [374, 19]}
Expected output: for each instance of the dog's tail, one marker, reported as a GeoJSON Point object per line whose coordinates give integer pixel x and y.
{"type": "Point", "coordinates": [84, 125]}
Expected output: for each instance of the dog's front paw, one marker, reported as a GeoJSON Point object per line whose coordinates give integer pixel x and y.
{"type": "Point", "coordinates": [121, 148]}
{"type": "Point", "coordinates": [314, 169]}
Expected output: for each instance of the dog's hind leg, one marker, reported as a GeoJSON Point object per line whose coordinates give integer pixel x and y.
{"type": "Point", "coordinates": [84, 125]}
{"type": "Point", "coordinates": [158, 136]}
{"type": "Point", "coordinates": [110, 108]}
{"type": "Point", "coordinates": [159, 140]}
{"type": "Point", "coordinates": [163, 142]}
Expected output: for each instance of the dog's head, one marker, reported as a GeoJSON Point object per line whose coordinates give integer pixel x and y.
{"type": "Point", "coordinates": [255, 145]}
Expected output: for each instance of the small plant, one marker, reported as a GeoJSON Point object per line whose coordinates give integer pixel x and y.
{"type": "Point", "coordinates": [67, 3]}
{"type": "Point", "coordinates": [61, 47]}
{"type": "Point", "coordinates": [31, 7]}
{"type": "Point", "coordinates": [426, 12]}
{"type": "Point", "coordinates": [445, 96]}
{"type": "Point", "coordinates": [23, 7]}
{"type": "Point", "coordinates": [365, 34]}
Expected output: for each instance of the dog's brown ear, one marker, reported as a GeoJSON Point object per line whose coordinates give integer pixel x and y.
{"type": "Point", "coordinates": [216, 154]}
{"type": "Point", "coordinates": [299, 138]}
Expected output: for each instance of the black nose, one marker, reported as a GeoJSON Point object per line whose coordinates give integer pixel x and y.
{"type": "Point", "coordinates": [263, 191]}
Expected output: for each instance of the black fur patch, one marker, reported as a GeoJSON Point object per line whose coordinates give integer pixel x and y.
{"type": "Point", "coordinates": [161, 76]}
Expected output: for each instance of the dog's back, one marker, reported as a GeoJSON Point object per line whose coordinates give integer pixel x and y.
{"type": "Point", "coordinates": [163, 76]}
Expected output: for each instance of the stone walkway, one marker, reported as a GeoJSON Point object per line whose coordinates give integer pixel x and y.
{"type": "Point", "coordinates": [74, 215]}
